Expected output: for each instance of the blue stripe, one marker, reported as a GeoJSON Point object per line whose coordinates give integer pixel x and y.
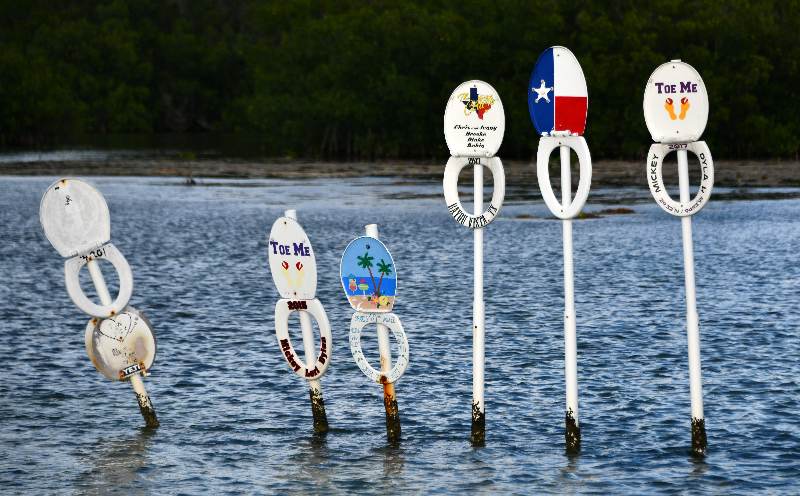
{"type": "Point", "coordinates": [542, 112]}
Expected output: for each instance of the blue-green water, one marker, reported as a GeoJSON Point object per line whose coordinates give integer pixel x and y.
{"type": "Point", "coordinates": [234, 419]}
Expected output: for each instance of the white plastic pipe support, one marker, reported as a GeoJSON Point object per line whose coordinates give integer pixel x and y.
{"type": "Point", "coordinates": [384, 346]}
{"type": "Point", "coordinates": [145, 405]}
{"type": "Point", "coordinates": [692, 319]}
{"type": "Point", "coordinates": [478, 310]}
{"type": "Point", "coordinates": [570, 335]}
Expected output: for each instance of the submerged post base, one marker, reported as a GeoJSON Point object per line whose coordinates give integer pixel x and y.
{"type": "Point", "coordinates": [478, 437]}
{"type": "Point", "coordinates": [148, 412]}
{"type": "Point", "coordinates": [699, 440]}
{"type": "Point", "coordinates": [318, 411]}
{"type": "Point", "coordinates": [572, 433]}
{"type": "Point", "coordinates": [392, 416]}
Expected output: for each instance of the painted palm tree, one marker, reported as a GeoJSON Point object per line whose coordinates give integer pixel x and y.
{"type": "Point", "coordinates": [365, 262]}
{"type": "Point", "coordinates": [385, 269]}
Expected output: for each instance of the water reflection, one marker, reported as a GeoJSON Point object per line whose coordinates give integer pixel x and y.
{"type": "Point", "coordinates": [115, 464]}
{"type": "Point", "coordinates": [394, 459]}
{"type": "Point", "coordinates": [313, 458]}
{"type": "Point", "coordinates": [699, 465]}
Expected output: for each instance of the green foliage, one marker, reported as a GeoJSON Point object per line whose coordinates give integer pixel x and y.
{"type": "Point", "coordinates": [366, 80]}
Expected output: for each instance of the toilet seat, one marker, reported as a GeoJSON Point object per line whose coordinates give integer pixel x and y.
{"type": "Point", "coordinates": [450, 184]}
{"type": "Point", "coordinates": [72, 268]}
{"type": "Point", "coordinates": [655, 179]}
{"type": "Point", "coordinates": [546, 146]}
{"type": "Point", "coordinates": [121, 346]}
{"type": "Point", "coordinates": [74, 216]}
{"type": "Point", "coordinates": [391, 321]}
{"type": "Point", "coordinates": [314, 307]}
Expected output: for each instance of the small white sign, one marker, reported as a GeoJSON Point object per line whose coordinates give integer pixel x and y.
{"type": "Point", "coordinates": [474, 120]}
{"type": "Point", "coordinates": [675, 103]}
{"type": "Point", "coordinates": [291, 260]}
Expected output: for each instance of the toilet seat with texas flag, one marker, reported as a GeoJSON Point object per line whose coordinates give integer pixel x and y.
{"type": "Point", "coordinates": [558, 102]}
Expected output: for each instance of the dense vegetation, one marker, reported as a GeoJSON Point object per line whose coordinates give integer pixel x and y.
{"type": "Point", "coordinates": [353, 79]}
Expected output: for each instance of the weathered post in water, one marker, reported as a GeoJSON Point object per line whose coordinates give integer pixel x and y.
{"type": "Point", "coordinates": [372, 295]}
{"type": "Point", "coordinates": [474, 124]}
{"type": "Point", "coordinates": [293, 265]}
{"type": "Point", "coordinates": [676, 113]}
{"type": "Point", "coordinates": [558, 102]}
{"type": "Point", "coordinates": [119, 339]}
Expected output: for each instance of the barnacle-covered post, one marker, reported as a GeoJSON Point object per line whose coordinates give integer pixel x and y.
{"type": "Point", "coordinates": [119, 339]}
{"type": "Point", "coordinates": [557, 102]}
{"type": "Point", "coordinates": [676, 113]}
{"type": "Point", "coordinates": [293, 266]}
{"type": "Point", "coordinates": [474, 124]}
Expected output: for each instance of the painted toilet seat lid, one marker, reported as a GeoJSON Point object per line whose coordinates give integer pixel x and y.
{"type": "Point", "coordinates": [74, 216]}
{"type": "Point", "coordinates": [368, 275]}
{"type": "Point", "coordinates": [474, 120]}
{"type": "Point", "coordinates": [557, 96]}
{"type": "Point", "coordinates": [291, 260]}
{"type": "Point", "coordinates": [675, 103]}
{"type": "Point", "coordinates": [122, 345]}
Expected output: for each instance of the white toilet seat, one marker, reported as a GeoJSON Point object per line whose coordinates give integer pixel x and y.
{"type": "Point", "coordinates": [450, 183]}
{"type": "Point", "coordinates": [655, 179]}
{"type": "Point", "coordinates": [72, 269]}
{"type": "Point", "coordinates": [546, 146]}
{"type": "Point", "coordinates": [314, 307]}
{"type": "Point", "coordinates": [122, 345]}
{"type": "Point", "coordinates": [391, 321]}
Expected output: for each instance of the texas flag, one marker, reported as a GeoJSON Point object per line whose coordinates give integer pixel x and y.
{"type": "Point", "coordinates": [557, 96]}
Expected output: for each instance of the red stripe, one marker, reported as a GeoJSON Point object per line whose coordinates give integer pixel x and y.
{"type": "Point", "coordinates": [571, 113]}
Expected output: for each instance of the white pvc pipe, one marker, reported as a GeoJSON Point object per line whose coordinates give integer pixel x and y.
{"type": "Point", "coordinates": [105, 298]}
{"type": "Point", "coordinates": [309, 348]}
{"type": "Point", "coordinates": [692, 321]}
{"type": "Point", "coordinates": [570, 338]}
{"type": "Point", "coordinates": [384, 346]}
{"type": "Point", "coordinates": [478, 313]}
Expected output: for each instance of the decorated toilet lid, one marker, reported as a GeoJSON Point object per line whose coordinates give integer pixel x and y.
{"type": "Point", "coordinates": [369, 276]}
{"type": "Point", "coordinates": [74, 216]}
{"type": "Point", "coordinates": [122, 345]}
{"type": "Point", "coordinates": [291, 260]}
{"type": "Point", "coordinates": [557, 96]}
{"type": "Point", "coordinates": [675, 103]}
{"type": "Point", "coordinates": [474, 120]}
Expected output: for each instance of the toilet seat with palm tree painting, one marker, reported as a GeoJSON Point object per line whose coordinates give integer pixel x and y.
{"type": "Point", "coordinates": [368, 277]}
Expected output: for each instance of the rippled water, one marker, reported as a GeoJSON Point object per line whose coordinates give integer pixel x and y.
{"type": "Point", "coordinates": [235, 419]}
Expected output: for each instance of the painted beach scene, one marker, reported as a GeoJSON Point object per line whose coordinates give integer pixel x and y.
{"type": "Point", "coordinates": [368, 275]}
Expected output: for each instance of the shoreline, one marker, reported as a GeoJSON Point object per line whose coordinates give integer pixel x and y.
{"type": "Point", "coordinates": [604, 173]}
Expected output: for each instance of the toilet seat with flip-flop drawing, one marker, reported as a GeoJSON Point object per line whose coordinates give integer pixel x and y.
{"type": "Point", "coordinates": [293, 267]}
{"type": "Point", "coordinates": [76, 221]}
{"type": "Point", "coordinates": [677, 129]}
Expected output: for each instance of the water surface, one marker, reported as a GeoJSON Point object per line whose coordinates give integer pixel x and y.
{"type": "Point", "coordinates": [234, 419]}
